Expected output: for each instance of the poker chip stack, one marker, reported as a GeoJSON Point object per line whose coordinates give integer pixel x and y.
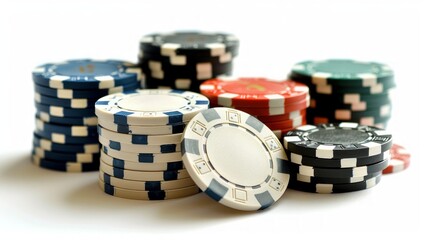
{"type": "Point", "coordinates": [336, 158]}
{"type": "Point", "coordinates": [183, 60]}
{"type": "Point", "coordinates": [65, 138]}
{"type": "Point", "coordinates": [281, 105]}
{"type": "Point", "coordinates": [140, 133]}
{"type": "Point", "coordinates": [347, 90]}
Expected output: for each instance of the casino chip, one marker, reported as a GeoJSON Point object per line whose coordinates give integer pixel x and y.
{"type": "Point", "coordinates": [235, 159]}
{"type": "Point", "coordinates": [183, 60]}
{"type": "Point", "coordinates": [65, 138]}
{"type": "Point", "coordinates": [399, 161]}
{"type": "Point", "coordinates": [335, 158]}
{"type": "Point", "coordinates": [346, 90]}
{"type": "Point", "coordinates": [140, 133]}
{"type": "Point", "coordinates": [281, 105]}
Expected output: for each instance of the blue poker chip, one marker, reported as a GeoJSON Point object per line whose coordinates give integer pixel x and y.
{"type": "Point", "coordinates": [64, 139]}
{"type": "Point", "coordinates": [65, 112]}
{"type": "Point", "coordinates": [65, 166]}
{"type": "Point", "coordinates": [66, 148]}
{"type": "Point", "coordinates": [75, 103]}
{"type": "Point", "coordinates": [66, 157]}
{"type": "Point", "coordinates": [69, 130]}
{"type": "Point", "coordinates": [86, 121]}
{"type": "Point", "coordinates": [71, 93]}
{"type": "Point", "coordinates": [86, 74]}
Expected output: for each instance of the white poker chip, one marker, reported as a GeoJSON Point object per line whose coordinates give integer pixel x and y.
{"type": "Point", "coordinates": [235, 159]}
{"type": "Point", "coordinates": [150, 107]}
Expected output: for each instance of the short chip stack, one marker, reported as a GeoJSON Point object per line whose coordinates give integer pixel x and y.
{"type": "Point", "coordinates": [347, 90]}
{"type": "Point", "coordinates": [65, 138]}
{"type": "Point", "coordinates": [336, 158]}
{"type": "Point", "coordinates": [183, 60]}
{"type": "Point", "coordinates": [140, 132]}
{"type": "Point", "coordinates": [281, 105]}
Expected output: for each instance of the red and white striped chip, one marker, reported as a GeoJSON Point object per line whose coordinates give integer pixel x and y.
{"type": "Point", "coordinates": [399, 161]}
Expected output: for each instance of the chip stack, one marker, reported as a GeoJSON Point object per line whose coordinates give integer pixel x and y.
{"type": "Point", "coordinates": [183, 60]}
{"type": "Point", "coordinates": [336, 158]}
{"type": "Point", "coordinates": [347, 90]}
{"type": "Point", "coordinates": [140, 133]}
{"type": "Point", "coordinates": [281, 105]}
{"type": "Point", "coordinates": [65, 138]}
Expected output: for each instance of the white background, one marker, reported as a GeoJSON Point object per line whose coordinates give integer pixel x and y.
{"type": "Point", "coordinates": [274, 35]}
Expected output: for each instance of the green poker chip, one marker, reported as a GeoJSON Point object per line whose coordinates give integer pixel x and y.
{"type": "Point", "coordinates": [343, 72]}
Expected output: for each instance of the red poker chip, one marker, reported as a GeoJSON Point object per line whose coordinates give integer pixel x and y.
{"type": "Point", "coordinates": [284, 117]}
{"type": "Point", "coordinates": [255, 92]}
{"type": "Point", "coordinates": [274, 111]}
{"type": "Point", "coordinates": [399, 159]}
{"type": "Point", "coordinates": [291, 123]}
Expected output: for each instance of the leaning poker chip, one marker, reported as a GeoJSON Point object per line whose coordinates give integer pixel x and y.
{"type": "Point", "coordinates": [146, 186]}
{"type": "Point", "coordinates": [148, 195]}
{"type": "Point", "coordinates": [77, 103]}
{"type": "Point", "coordinates": [336, 163]}
{"type": "Point", "coordinates": [66, 157]}
{"type": "Point", "coordinates": [143, 176]}
{"type": "Point", "coordinates": [84, 121]}
{"type": "Point", "coordinates": [143, 129]}
{"type": "Point", "coordinates": [143, 157]}
{"type": "Point", "coordinates": [251, 175]}
{"type": "Point", "coordinates": [65, 166]}
{"type": "Point", "coordinates": [69, 130]}
{"type": "Point", "coordinates": [150, 107]}
{"type": "Point", "coordinates": [64, 139]}
{"type": "Point", "coordinates": [334, 188]}
{"type": "Point", "coordinates": [139, 139]}
{"type": "Point", "coordinates": [192, 43]}
{"type": "Point", "coordinates": [65, 112]}
{"type": "Point", "coordinates": [137, 166]}
{"type": "Point", "coordinates": [339, 172]}
{"type": "Point", "coordinates": [334, 71]}
{"type": "Point", "coordinates": [274, 111]}
{"type": "Point", "coordinates": [315, 180]}
{"type": "Point", "coordinates": [342, 140]}
{"type": "Point", "coordinates": [67, 148]}
{"type": "Point", "coordinates": [255, 92]}
{"type": "Point", "coordinates": [72, 93]}
{"type": "Point", "coordinates": [399, 161]}
{"type": "Point", "coordinates": [86, 74]}
{"type": "Point", "coordinates": [137, 148]}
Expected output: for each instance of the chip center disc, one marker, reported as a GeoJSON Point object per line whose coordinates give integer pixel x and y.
{"type": "Point", "coordinates": [86, 69]}
{"type": "Point", "coordinates": [344, 67]}
{"type": "Point", "coordinates": [338, 136]}
{"type": "Point", "coordinates": [253, 87]}
{"type": "Point", "coordinates": [237, 155]}
{"type": "Point", "coordinates": [152, 103]}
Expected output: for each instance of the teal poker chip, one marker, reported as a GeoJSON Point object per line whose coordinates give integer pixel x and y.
{"type": "Point", "coordinates": [342, 72]}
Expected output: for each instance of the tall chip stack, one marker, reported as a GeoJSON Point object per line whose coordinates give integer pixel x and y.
{"type": "Point", "coordinates": [65, 138]}
{"type": "Point", "coordinates": [140, 133]}
{"type": "Point", "coordinates": [183, 60]}
{"type": "Point", "coordinates": [281, 105]}
{"type": "Point", "coordinates": [336, 158]}
{"type": "Point", "coordinates": [347, 90]}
